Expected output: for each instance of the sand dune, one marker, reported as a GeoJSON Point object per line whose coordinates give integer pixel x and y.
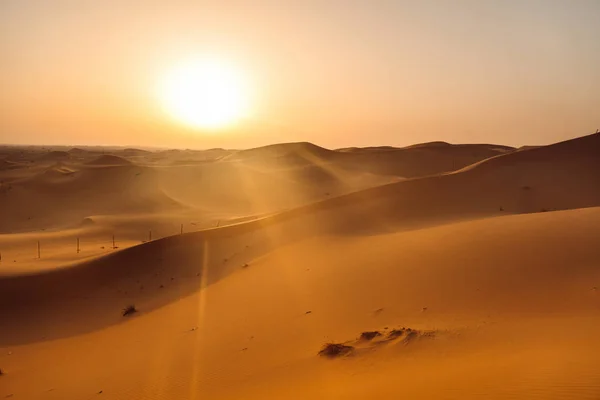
{"type": "Point", "coordinates": [5, 164]}
{"type": "Point", "coordinates": [301, 150]}
{"type": "Point", "coordinates": [134, 152]}
{"type": "Point", "coordinates": [557, 177]}
{"type": "Point", "coordinates": [109, 159]}
{"type": "Point", "coordinates": [459, 278]}
{"type": "Point", "coordinates": [240, 183]}
{"type": "Point", "coordinates": [54, 156]}
{"type": "Point", "coordinates": [189, 157]}
{"type": "Point", "coordinates": [59, 197]}
{"type": "Point", "coordinates": [418, 161]}
{"type": "Point", "coordinates": [411, 161]}
{"type": "Point", "coordinates": [488, 290]}
{"type": "Point", "coordinates": [77, 150]}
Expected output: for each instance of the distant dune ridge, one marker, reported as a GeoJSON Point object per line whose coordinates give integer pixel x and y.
{"type": "Point", "coordinates": [77, 150]}
{"type": "Point", "coordinates": [478, 265]}
{"type": "Point", "coordinates": [109, 159]}
{"type": "Point", "coordinates": [54, 156]}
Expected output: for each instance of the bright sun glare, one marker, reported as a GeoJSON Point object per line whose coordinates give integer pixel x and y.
{"type": "Point", "coordinates": [206, 94]}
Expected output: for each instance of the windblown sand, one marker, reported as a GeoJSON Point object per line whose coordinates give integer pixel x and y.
{"type": "Point", "coordinates": [473, 272]}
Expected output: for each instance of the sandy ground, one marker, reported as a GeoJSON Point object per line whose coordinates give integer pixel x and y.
{"type": "Point", "coordinates": [476, 275]}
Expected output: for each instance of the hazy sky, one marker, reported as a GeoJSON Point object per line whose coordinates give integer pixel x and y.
{"type": "Point", "coordinates": [336, 73]}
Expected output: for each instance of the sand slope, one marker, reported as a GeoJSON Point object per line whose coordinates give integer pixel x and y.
{"type": "Point", "coordinates": [489, 288]}
{"type": "Point", "coordinates": [502, 298]}
{"type": "Point", "coordinates": [411, 161]}
{"type": "Point", "coordinates": [59, 196]}
{"type": "Point", "coordinates": [230, 183]}
{"type": "Point", "coordinates": [109, 160]}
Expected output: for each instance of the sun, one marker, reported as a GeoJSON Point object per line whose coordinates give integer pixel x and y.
{"type": "Point", "coordinates": [204, 93]}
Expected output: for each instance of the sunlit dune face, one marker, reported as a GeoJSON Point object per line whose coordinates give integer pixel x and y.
{"type": "Point", "coordinates": [206, 94]}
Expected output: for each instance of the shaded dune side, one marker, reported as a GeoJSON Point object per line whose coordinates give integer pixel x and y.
{"type": "Point", "coordinates": [236, 188]}
{"type": "Point", "coordinates": [558, 177]}
{"type": "Point", "coordinates": [301, 149]}
{"type": "Point", "coordinates": [54, 156]}
{"type": "Point", "coordinates": [109, 159]}
{"type": "Point", "coordinates": [417, 161]}
{"type": "Point", "coordinates": [501, 273]}
{"type": "Point", "coordinates": [5, 164]}
{"type": "Point", "coordinates": [412, 161]}
{"type": "Point", "coordinates": [188, 262]}
{"type": "Point", "coordinates": [62, 197]}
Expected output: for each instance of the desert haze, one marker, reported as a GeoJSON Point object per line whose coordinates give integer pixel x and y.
{"type": "Point", "coordinates": [291, 271]}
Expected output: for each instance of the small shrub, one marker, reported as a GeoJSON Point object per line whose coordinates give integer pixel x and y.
{"type": "Point", "coordinates": [129, 310]}
{"type": "Point", "coordinates": [333, 350]}
{"type": "Point", "coordinates": [369, 335]}
{"type": "Point", "coordinates": [412, 334]}
{"type": "Point", "coordinates": [394, 333]}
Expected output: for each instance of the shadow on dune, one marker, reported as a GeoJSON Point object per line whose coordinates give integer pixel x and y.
{"type": "Point", "coordinates": [90, 296]}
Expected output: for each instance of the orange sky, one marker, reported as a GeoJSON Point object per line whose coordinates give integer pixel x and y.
{"type": "Point", "coordinates": [336, 73]}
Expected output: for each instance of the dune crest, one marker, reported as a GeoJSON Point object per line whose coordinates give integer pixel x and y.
{"type": "Point", "coordinates": [109, 159]}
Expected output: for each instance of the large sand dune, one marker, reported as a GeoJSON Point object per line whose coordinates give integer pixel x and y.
{"type": "Point", "coordinates": [495, 269]}
{"type": "Point", "coordinates": [217, 183]}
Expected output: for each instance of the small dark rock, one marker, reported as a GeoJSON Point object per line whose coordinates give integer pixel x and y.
{"type": "Point", "coordinates": [333, 350]}
{"type": "Point", "coordinates": [129, 310]}
{"type": "Point", "coordinates": [394, 333]}
{"type": "Point", "coordinates": [369, 335]}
